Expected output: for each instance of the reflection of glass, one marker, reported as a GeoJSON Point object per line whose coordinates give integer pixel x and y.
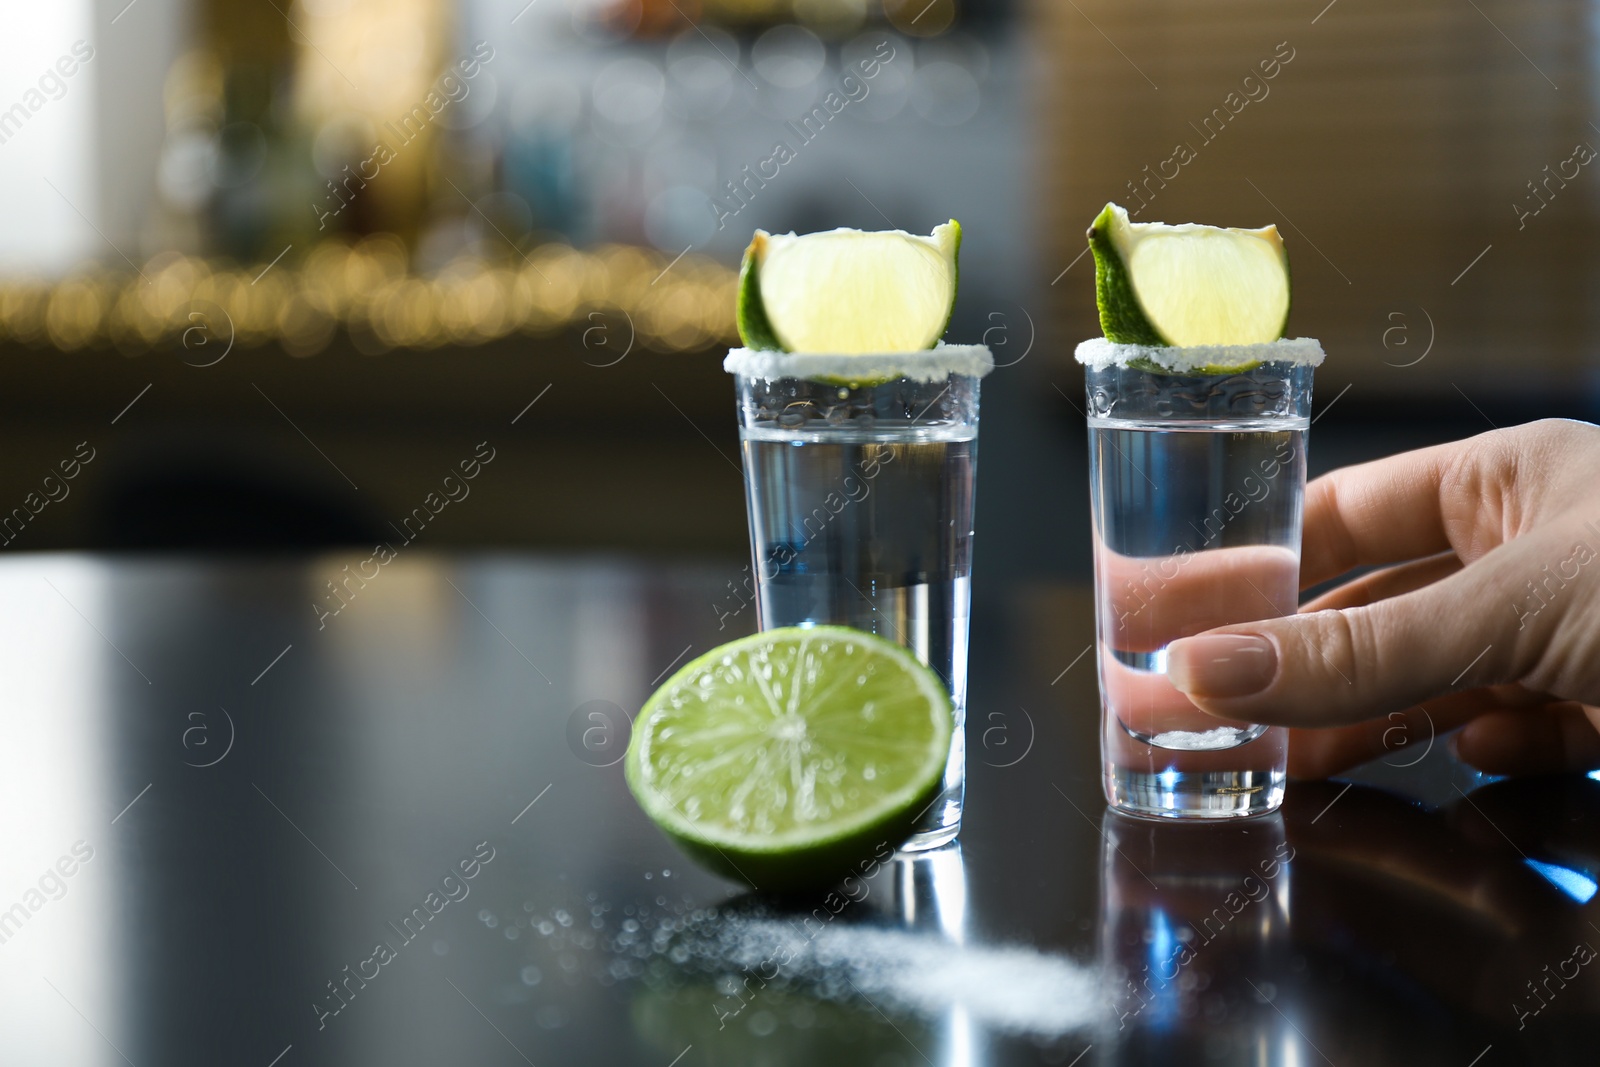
{"type": "Point", "coordinates": [1194, 930]}
{"type": "Point", "coordinates": [928, 892]}
{"type": "Point", "coordinates": [1197, 484]}
{"type": "Point", "coordinates": [860, 505]}
{"type": "Point", "coordinates": [929, 895]}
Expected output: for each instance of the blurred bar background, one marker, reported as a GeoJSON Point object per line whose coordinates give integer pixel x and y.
{"type": "Point", "coordinates": [281, 266]}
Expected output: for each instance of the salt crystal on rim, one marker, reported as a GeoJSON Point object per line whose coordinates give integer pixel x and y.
{"type": "Point", "coordinates": [930, 365]}
{"type": "Point", "coordinates": [1098, 352]}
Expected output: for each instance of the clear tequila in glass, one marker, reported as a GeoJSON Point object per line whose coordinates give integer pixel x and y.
{"type": "Point", "coordinates": [860, 501]}
{"type": "Point", "coordinates": [1197, 483]}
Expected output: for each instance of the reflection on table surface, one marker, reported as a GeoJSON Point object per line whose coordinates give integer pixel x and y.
{"type": "Point", "coordinates": [404, 837]}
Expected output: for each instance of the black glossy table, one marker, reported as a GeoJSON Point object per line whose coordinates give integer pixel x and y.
{"type": "Point", "coordinates": [241, 829]}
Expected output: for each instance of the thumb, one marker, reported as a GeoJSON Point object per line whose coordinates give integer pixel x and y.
{"type": "Point", "coordinates": [1327, 668]}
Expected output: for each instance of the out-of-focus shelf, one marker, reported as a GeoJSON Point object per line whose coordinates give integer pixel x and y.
{"type": "Point", "coordinates": [596, 446]}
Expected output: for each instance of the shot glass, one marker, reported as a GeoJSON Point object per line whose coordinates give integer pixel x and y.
{"type": "Point", "coordinates": [1197, 485]}
{"type": "Point", "coordinates": [859, 475]}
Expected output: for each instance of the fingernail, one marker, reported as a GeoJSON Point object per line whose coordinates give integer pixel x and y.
{"type": "Point", "coordinates": [1222, 665]}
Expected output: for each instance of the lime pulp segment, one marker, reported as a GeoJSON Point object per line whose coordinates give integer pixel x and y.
{"type": "Point", "coordinates": [1186, 285]}
{"type": "Point", "coordinates": [848, 291]}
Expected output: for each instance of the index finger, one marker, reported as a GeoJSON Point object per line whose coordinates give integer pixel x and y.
{"type": "Point", "coordinates": [1387, 511]}
{"type": "Point", "coordinates": [1146, 602]}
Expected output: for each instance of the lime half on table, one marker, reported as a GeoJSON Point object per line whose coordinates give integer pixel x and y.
{"type": "Point", "coordinates": [788, 758]}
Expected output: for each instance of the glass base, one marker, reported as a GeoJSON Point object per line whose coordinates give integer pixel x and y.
{"type": "Point", "coordinates": [1174, 794]}
{"type": "Point", "coordinates": [922, 842]}
{"type": "Point", "coordinates": [940, 821]}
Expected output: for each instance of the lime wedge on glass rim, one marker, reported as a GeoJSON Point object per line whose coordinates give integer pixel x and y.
{"type": "Point", "coordinates": [848, 291]}
{"type": "Point", "coordinates": [1184, 285]}
{"type": "Point", "coordinates": [788, 758]}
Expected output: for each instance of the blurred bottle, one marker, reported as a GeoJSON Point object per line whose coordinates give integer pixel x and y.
{"type": "Point", "coordinates": [228, 156]}
{"type": "Point", "coordinates": [376, 84]}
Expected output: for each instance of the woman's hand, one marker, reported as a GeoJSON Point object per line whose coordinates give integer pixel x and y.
{"type": "Point", "coordinates": [1488, 614]}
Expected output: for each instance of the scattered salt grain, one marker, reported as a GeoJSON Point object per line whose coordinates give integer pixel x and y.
{"type": "Point", "coordinates": [1015, 989]}
{"type": "Point", "coordinates": [1009, 988]}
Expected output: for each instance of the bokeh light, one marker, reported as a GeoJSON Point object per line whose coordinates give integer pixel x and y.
{"type": "Point", "coordinates": [945, 94]}
{"type": "Point", "coordinates": [788, 57]}
{"type": "Point", "coordinates": [364, 289]}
